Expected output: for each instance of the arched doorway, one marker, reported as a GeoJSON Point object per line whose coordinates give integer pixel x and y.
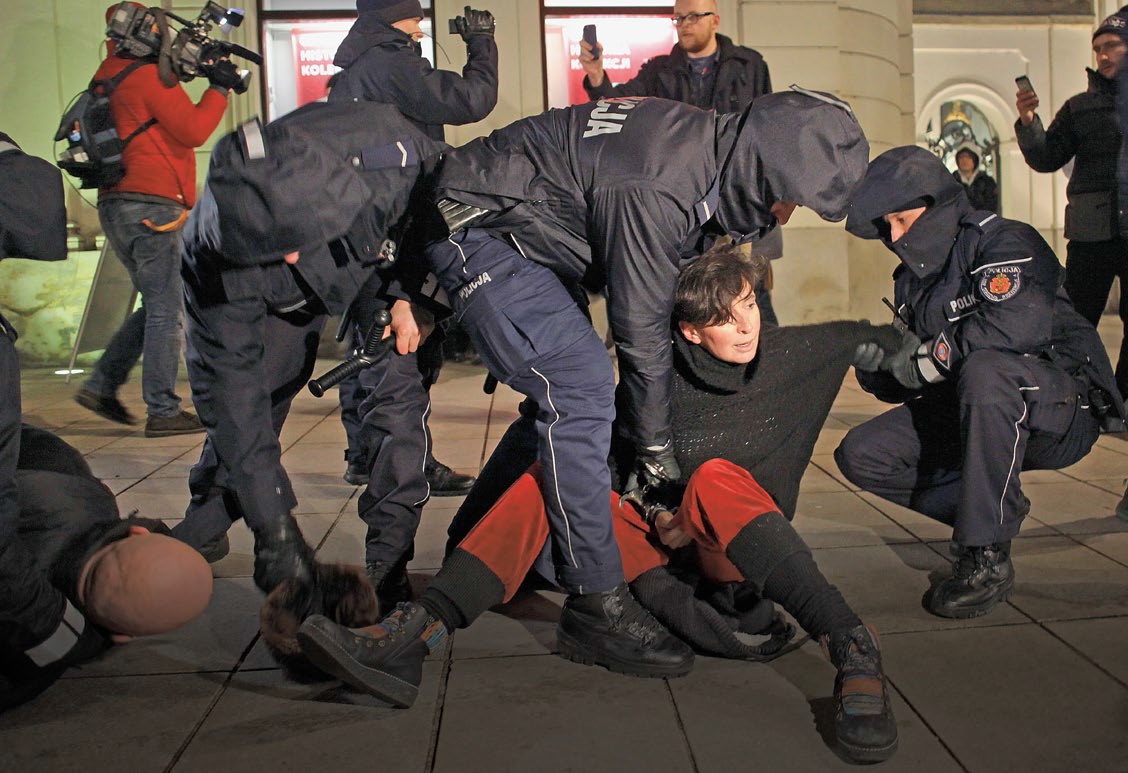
{"type": "Point", "coordinates": [961, 128]}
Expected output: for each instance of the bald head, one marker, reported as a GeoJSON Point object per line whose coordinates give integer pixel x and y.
{"type": "Point", "coordinates": [144, 584]}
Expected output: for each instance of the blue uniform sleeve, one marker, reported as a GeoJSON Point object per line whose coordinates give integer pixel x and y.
{"type": "Point", "coordinates": [636, 233]}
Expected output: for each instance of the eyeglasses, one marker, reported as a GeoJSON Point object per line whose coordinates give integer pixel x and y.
{"type": "Point", "coordinates": [690, 18]}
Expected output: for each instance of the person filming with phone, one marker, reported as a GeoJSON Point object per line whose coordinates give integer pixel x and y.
{"type": "Point", "coordinates": [1086, 131]}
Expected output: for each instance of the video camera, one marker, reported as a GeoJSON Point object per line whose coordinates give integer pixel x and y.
{"type": "Point", "coordinates": [190, 53]}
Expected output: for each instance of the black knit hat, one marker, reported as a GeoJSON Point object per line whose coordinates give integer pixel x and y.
{"type": "Point", "coordinates": [391, 11]}
{"type": "Point", "coordinates": [1117, 24]}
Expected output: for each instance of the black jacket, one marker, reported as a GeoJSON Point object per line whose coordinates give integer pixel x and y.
{"type": "Point", "coordinates": [983, 192]}
{"type": "Point", "coordinates": [1086, 130]}
{"type": "Point", "coordinates": [620, 193]}
{"type": "Point", "coordinates": [970, 279]}
{"type": "Point", "coordinates": [742, 75]}
{"type": "Point", "coordinates": [382, 64]}
{"type": "Point", "coordinates": [66, 515]}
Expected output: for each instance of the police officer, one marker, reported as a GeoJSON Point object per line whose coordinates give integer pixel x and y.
{"type": "Point", "coordinates": [998, 372]}
{"type": "Point", "coordinates": [616, 194]}
{"type": "Point", "coordinates": [384, 409]}
{"type": "Point", "coordinates": [288, 229]}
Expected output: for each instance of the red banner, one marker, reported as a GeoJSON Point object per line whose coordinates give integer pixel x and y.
{"type": "Point", "coordinates": [314, 45]}
{"type": "Point", "coordinates": [627, 42]}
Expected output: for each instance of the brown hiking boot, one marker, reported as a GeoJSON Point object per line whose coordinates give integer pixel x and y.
{"type": "Point", "coordinates": [863, 717]}
{"type": "Point", "coordinates": [183, 423]}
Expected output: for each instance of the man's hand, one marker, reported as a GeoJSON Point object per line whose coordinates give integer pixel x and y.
{"type": "Point", "coordinates": [592, 66]}
{"type": "Point", "coordinates": [669, 533]}
{"type": "Point", "coordinates": [868, 356]}
{"type": "Point", "coordinates": [473, 23]}
{"type": "Point", "coordinates": [1026, 102]}
{"type": "Point", "coordinates": [657, 466]}
{"type": "Point", "coordinates": [902, 364]}
{"type": "Point", "coordinates": [410, 325]}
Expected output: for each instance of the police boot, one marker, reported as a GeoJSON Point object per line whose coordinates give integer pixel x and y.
{"type": "Point", "coordinates": [1122, 508]}
{"type": "Point", "coordinates": [983, 576]}
{"type": "Point", "coordinates": [281, 553]}
{"type": "Point", "coordinates": [613, 630]}
{"type": "Point", "coordinates": [863, 717]}
{"type": "Point", "coordinates": [444, 481]}
{"type": "Point", "coordinates": [389, 580]}
{"type": "Point", "coordinates": [385, 660]}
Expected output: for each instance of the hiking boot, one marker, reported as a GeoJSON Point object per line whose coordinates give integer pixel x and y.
{"type": "Point", "coordinates": [444, 481]}
{"type": "Point", "coordinates": [1122, 508]}
{"type": "Point", "coordinates": [108, 407]}
{"type": "Point", "coordinates": [183, 423]}
{"type": "Point", "coordinates": [863, 717]}
{"type": "Point", "coordinates": [982, 577]}
{"type": "Point", "coordinates": [613, 630]}
{"type": "Point", "coordinates": [385, 660]}
{"type": "Point", "coordinates": [356, 473]}
{"type": "Point", "coordinates": [389, 580]}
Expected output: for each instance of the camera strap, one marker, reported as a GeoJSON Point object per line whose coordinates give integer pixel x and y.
{"type": "Point", "coordinates": [254, 144]}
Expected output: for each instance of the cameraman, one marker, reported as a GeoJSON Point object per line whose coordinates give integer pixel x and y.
{"type": "Point", "coordinates": [141, 216]}
{"type": "Point", "coordinates": [384, 408]}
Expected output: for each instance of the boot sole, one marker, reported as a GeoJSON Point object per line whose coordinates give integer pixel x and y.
{"type": "Point", "coordinates": [173, 432]}
{"type": "Point", "coordinates": [978, 610]}
{"type": "Point", "coordinates": [868, 754]}
{"type": "Point", "coordinates": [571, 649]}
{"type": "Point", "coordinates": [324, 652]}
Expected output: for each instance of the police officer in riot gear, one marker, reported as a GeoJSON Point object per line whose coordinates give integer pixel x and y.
{"type": "Point", "coordinates": [997, 370]}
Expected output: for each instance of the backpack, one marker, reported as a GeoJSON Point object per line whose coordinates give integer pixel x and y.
{"type": "Point", "coordinates": [94, 152]}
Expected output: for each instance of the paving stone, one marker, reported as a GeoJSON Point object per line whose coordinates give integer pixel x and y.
{"type": "Point", "coordinates": [113, 724]}
{"type": "Point", "coordinates": [549, 715]}
{"type": "Point", "coordinates": [1074, 508]}
{"type": "Point", "coordinates": [839, 519]}
{"type": "Point", "coordinates": [525, 626]}
{"type": "Point", "coordinates": [885, 585]}
{"type": "Point", "coordinates": [264, 721]}
{"type": "Point", "coordinates": [1102, 641]}
{"type": "Point", "coordinates": [1059, 579]}
{"type": "Point", "coordinates": [1114, 546]}
{"type": "Point", "coordinates": [781, 716]}
{"type": "Point", "coordinates": [1012, 698]}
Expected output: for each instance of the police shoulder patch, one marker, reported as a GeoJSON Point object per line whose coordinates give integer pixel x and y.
{"type": "Point", "coordinates": [942, 351]}
{"type": "Point", "coordinates": [999, 283]}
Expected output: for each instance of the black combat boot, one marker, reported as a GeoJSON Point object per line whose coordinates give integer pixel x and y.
{"type": "Point", "coordinates": [385, 660]}
{"type": "Point", "coordinates": [863, 717]}
{"type": "Point", "coordinates": [389, 580]}
{"type": "Point", "coordinates": [1122, 508]}
{"type": "Point", "coordinates": [613, 630]}
{"type": "Point", "coordinates": [281, 553]}
{"type": "Point", "coordinates": [983, 576]}
{"type": "Point", "coordinates": [444, 481]}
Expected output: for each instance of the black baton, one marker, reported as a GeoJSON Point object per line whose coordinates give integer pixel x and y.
{"type": "Point", "coordinates": [375, 349]}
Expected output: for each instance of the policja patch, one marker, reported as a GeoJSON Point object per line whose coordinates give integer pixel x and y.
{"type": "Point", "coordinates": [1000, 283]}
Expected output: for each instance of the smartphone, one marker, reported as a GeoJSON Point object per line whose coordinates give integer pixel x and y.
{"type": "Point", "coordinates": [1023, 84]}
{"type": "Point", "coordinates": [590, 37]}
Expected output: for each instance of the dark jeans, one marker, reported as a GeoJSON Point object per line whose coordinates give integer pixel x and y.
{"type": "Point", "coordinates": [1090, 268]}
{"type": "Point", "coordinates": [154, 330]}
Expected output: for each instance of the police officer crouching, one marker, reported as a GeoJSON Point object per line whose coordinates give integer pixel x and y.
{"type": "Point", "coordinates": [997, 370]}
{"type": "Point", "coordinates": [288, 229]}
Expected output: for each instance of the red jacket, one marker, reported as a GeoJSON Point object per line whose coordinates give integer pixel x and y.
{"type": "Point", "coordinates": [160, 161]}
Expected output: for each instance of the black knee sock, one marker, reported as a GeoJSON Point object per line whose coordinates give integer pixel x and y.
{"type": "Point", "coordinates": [772, 555]}
{"type": "Point", "coordinates": [462, 590]}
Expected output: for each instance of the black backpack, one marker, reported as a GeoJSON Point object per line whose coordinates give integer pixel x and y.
{"type": "Point", "coordinates": [94, 150]}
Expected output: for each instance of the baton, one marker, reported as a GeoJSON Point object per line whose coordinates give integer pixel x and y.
{"type": "Point", "coordinates": [375, 349]}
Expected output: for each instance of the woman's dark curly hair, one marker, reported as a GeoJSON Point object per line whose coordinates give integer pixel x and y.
{"type": "Point", "coordinates": [708, 287]}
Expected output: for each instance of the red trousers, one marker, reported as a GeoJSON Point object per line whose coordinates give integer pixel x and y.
{"type": "Point", "coordinates": [720, 500]}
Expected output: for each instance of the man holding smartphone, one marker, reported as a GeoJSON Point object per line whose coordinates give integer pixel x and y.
{"type": "Point", "coordinates": [1086, 131]}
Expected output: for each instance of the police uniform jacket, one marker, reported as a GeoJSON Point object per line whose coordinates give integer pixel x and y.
{"type": "Point", "coordinates": [1085, 129]}
{"type": "Point", "coordinates": [969, 279]}
{"type": "Point", "coordinates": [383, 64]}
{"type": "Point", "coordinates": [618, 193]}
{"type": "Point", "coordinates": [741, 76]}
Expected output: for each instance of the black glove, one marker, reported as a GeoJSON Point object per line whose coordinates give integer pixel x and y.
{"type": "Point", "coordinates": [224, 75]}
{"type": "Point", "coordinates": [473, 23]}
{"type": "Point", "coordinates": [281, 553]}
{"type": "Point", "coordinates": [868, 356]}
{"type": "Point", "coordinates": [658, 466]}
{"type": "Point", "coordinates": [902, 364]}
